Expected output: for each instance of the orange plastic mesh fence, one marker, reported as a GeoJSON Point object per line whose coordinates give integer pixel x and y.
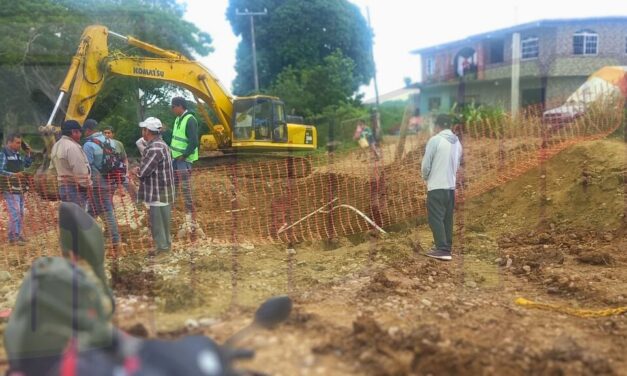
{"type": "Point", "coordinates": [261, 202]}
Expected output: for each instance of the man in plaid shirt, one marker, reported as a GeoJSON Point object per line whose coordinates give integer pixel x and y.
{"type": "Point", "coordinates": [156, 186]}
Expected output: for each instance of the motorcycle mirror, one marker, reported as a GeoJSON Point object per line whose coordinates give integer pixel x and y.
{"type": "Point", "coordinates": [273, 311]}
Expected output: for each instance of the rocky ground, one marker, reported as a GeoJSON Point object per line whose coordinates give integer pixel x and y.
{"type": "Point", "coordinates": [374, 305]}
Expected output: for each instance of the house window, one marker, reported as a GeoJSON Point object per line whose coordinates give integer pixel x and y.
{"type": "Point", "coordinates": [497, 49]}
{"type": "Point", "coordinates": [530, 48]}
{"type": "Point", "coordinates": [430, 66]}
{"type": "Point", "coordinates": [585, 42]}
{"type": "Point", "coordinates": [434, 103]}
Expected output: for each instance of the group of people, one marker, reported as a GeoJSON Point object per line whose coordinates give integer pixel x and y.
{"type": "Point", "coordinates": [84, 180]}
{"type": "Point", "coordinates": [88, 174]}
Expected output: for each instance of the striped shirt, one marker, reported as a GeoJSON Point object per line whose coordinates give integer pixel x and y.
{"type": "Point", "coordinates": [155, 174]}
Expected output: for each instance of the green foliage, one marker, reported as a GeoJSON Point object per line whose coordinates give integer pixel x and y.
{"type": "Point", "coordinates": [299, 35]}
{"type": "Point", "coordinates": [337, 123]}
{"type": "Point", "coordinates": [309, 90]}
{"type": "Point", "coordinates": [391, 114]}
{"type": "Point", "coordinates": [39, 37]}
{"type": "Point", "coordinates": [481, 119]}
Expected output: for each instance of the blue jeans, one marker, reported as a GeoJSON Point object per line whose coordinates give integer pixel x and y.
{"type": "Point", "coordinates": [125, 183]}
{"type": "Point", "coordinates": [15, 207]}
{"type": "Point", "coordinates": [72, 193]}
{"type": "Point", "coordinates": [100, 205]}
{"type": "Point", "coordinates": [182, 176]}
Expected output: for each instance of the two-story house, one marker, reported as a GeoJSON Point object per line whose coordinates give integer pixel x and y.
{"type": "Point", "coordinates": [553, 58]}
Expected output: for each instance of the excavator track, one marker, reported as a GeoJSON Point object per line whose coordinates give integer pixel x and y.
{"type": "Point", "coordinates": [258, 165]}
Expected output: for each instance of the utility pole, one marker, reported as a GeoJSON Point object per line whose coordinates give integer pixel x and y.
{"type": "Point", "coordinates": [251, 16]}
{"type": "Point", "coordinates": [377, 119]}
{"type": "Point", "coordinates": [515, 94]}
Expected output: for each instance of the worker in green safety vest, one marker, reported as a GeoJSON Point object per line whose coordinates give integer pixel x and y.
{"type": "Point", "coordinates": [184, 146]}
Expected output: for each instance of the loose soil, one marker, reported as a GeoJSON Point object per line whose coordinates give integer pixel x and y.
{"type": "Point", "coordinates": [374, 305]}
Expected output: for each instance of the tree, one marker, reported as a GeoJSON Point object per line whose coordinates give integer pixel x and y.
{"type": "Point", "coordinates": [299, 35]}
{"type": "Point", "coordinates": [39, 37]}
{"type": "Point", "coordinates": [309, 90]}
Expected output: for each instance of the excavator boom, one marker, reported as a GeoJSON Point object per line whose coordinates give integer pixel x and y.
{"type": "Point", "coordinates": [265, 130]}
{"type": "Point", "coordinates": [254, 124]}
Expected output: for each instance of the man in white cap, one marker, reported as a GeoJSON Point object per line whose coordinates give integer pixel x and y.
{"type": "Point", "coordinates": [156, 187]}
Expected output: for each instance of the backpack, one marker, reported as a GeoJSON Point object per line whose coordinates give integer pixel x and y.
{"type": "Point", "coordinates": [57, 301]}
{"type": "Point", "coordinates": [112, 161]}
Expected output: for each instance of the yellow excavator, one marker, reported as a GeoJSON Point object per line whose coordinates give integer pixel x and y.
{"type": "Point", "coordinates": [254, 124]}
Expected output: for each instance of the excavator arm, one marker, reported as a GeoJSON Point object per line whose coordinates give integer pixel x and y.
{"type": "Point", "coordinates": [93, 63]}
{"type": "Point", "coordinates": [248, 124]}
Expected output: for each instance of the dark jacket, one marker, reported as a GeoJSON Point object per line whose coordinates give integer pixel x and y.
{"type": "Point", "coordinates": [11, 163]}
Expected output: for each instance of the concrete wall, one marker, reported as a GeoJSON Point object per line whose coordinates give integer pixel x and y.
{"type": "Point", "coordinates": [447, 95]}
{"type": "Point", "coordinates": [497, 93]}
{"type": "Point", "coordinates": [611, 37]}
{"type": "Point", "coordinates": [565, 72]}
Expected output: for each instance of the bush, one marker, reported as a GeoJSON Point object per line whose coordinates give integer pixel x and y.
{"type": "Point", "coordinates": [482, 120]}
{"type": "Point", "coordinates": [392, 115]}
{"type": "Point", "coordinates": [337, 123]}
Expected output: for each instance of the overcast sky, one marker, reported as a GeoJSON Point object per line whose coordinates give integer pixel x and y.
{"type": "Point", "coordinates": [404, 25]}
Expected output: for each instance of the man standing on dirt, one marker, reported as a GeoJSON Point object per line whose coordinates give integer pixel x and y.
{"type": "Point", "coordinates": [100, 199]}
{"type": "Point", "coordinates": [70, 162]}
{"type": "Point", "coordinates": [13, 184]}
{"type": "Point", "coordinates": [439, 169]}
{"type": "Point", "coordinates": [184, 146]}
{"type": "Point", "coordinates": [156, 187]}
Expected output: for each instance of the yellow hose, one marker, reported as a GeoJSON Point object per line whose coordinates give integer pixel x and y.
{"type": "Point", "coordinates": [572, 311]}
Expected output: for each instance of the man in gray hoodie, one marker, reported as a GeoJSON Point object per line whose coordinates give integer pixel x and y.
{"type": "Point", "coordinates": [439, 169]}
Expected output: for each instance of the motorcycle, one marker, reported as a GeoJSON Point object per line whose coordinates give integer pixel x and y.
{"type": "Point", "coordinates": [61, 322]}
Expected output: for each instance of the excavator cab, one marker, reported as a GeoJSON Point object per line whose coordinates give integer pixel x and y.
{"type": "Point", "coordinates": [259, 119]}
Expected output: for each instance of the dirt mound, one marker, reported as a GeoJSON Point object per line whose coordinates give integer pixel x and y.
{"type": "Point", "coordinates": [378, 352]}
{"type": "Point", "coordinates": [584, 190]}
{"type": "Point", "coordinates": [426, 350]}
{"type": "Point", "coordinates": [379, 285]}
{"type": "Point", "coordinates": [567, 357]}
{"type": "Point", "coordinates": [553, 259]}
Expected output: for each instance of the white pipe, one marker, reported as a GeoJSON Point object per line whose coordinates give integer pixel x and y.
{"type": "Point", "coordinates": [283, 228]}
{"type": "Point", "coordinates": [361, 214]}
{"type": "Point", "coordinates": [118, 35]}
{"type": "Point", "coordinates": [56, 108]}
{"type": "Point", "coordinates": [320, 210]}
